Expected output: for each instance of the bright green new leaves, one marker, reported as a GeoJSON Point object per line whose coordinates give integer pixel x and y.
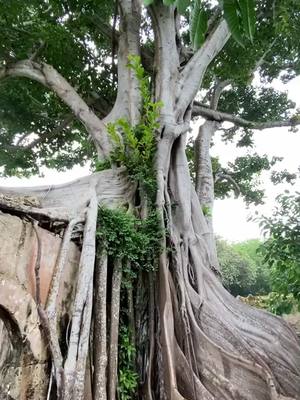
{"type": "Point", "coordinates": [240, 17]}
{"type": "Point", "coordinates": [136, 150]}
{"type": "Point", "coordinates": [198, 25]}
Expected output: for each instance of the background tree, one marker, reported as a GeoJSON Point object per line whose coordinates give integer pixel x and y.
{"type": "Point", "coordinates": [281, 247]}
{"type": "Point", "coordinates": [86, 97]}
{"type": "Point", "coordinates": [243, 269]}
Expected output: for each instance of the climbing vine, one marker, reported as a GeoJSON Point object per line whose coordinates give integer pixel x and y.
{"type": "Point", "coordinates": [128, 378]}
{"type": "Point", "coordinates": [134, 146]}
{"type": "Point", "coordinates": [129, 238]}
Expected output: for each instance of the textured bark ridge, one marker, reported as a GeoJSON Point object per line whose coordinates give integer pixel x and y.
{"type": "Point", "coordinates": [214, 347]}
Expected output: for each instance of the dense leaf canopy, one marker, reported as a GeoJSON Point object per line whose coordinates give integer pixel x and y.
{"type": "Point", "coordinates": [79, 39]}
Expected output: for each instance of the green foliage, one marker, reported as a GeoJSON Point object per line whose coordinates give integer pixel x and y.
{"type": "Point", "coordinates": [243, 271]}
{"type": "Point", "coordinates": [250, 249]}
{"type": "Point", "coordinates": [70, 35]}
{"type": "Point", "coordinates": [274, 302]}
{"type": "Point", "coordinates": [238, 272]}
{"type": "Point", "coordinates": [198, 25]}
{"type": "Point", "coordinates": [101, 165]}
{"type": "Point", "coordinates": [281, 250]}
{"type": "Point", "coordinates": [182, 6]}
{"type": "Point", "coordinates": [129, 238]}
{"type": "Point", "coordinates": [134, 146]}
{"type": "Point", "coordinates": [206, 210]}
{"type": "Point", "coordinates": [256, 103]}
{"type": "Point", "coordinates": [245, 172]}
{"type": "Point", "coordinates": [128, 378]}
{"type": "Point", "coordinates": [279, 304]}
{"type": "Point", "coordinates": [240, 17]}
{"type": "Point", "coordinates": [61, 34]}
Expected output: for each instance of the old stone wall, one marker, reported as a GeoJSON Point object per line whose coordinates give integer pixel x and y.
{"type": "Point", "coordinates": [24, 360]}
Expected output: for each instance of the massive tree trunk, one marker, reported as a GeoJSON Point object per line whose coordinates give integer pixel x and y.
{"type": "Point", "coordinates": [193, 339]}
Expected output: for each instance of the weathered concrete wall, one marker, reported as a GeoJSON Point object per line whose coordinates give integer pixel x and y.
{"type": "Point", "coordinates": [23, 354]}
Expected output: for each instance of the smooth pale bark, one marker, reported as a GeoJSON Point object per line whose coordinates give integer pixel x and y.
{"type": "Point", "coordinates": [215, 336]}
{"type": "Point", "coordinates": [193, 73]}
{"type": "Point", "coordinates": [219, 116]}
{"type": "Point", "coordinates": [83, 346]}
{"type": "Point", "coordinates": [205, 183]}
{"type": "Point", "coordinates": [68, 201]}
{"type": "Point", "coordinates": [51, 311]}
{"type": "Point", "coordinates": [76, 359]}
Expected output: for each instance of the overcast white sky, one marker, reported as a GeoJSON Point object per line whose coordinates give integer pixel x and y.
{"type": "Point", "coordinates": [230, 215]}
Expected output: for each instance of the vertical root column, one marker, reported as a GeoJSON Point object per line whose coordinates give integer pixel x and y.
{"type": "Point", "coordinates": [75, 365]}
{"type": "Point", "coordinates": [114, 330]}
{"type": "Point", "coordinates": [100, 330]}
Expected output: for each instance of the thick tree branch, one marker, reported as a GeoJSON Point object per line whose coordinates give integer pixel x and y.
{"type": "Point", "coordinates": [128, 100]}
{"type": "Point", "coordinates": [217, 91]}
{"type": "Point", "coordinates": [219, 116]}
{"type": "Point", "coordinates": [107, 31]}
{"type": "Point", "coordinates": [166, 57]}
{"type": "Point", "coordinates": [192, 75]}
{"type": "Point", "coordinates": [50, 78]}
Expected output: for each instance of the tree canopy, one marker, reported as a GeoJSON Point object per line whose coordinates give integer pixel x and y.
{"type": "Point", "coordinates": [79, 39]}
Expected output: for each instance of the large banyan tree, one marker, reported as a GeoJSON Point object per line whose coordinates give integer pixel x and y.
{"type": "Point", "coordinates": [143, 313]}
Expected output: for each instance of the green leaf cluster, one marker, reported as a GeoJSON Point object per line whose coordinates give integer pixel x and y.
{"type": "Point", "coordinates": [134, 146]}
{"type": "Point", "coordinates": [207, 211]}
{"type": "Point", "coordinates": [129, 238]}
{"type": "Point", "coordinates": [240, 17]}
{"type": "Point", "coordinates": [281, 250]}
{"type": "Point", "coordinates": [279, 303]}
{"type": "Point", "coordinates": [276, 303]}
{"type": "Point", "coordinates": [243, 270]}
{"type": "Point", "coordinates": [64, 34]}
{"type": "Point", "coordinates": [198, 25]}
{"type": "Point", "coordinates": [128, 378]}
